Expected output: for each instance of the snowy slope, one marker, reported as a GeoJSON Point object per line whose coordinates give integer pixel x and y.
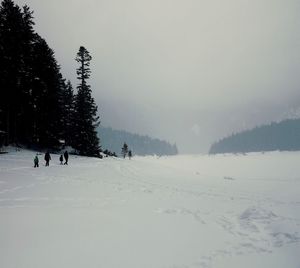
{"type": "Point", "coordinates": [168, 212]}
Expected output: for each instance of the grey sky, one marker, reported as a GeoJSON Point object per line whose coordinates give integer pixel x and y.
{"type": "Point", "coordinates": [188, 71]}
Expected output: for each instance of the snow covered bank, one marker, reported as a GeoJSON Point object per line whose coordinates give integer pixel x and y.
{"type": "Point", "coordinates": [182, 211]}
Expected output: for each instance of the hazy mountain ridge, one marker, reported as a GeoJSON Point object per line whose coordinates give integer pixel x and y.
{"type": "Point", "coordinates": [113, 141]}
{"type": "Point", "coordinates": [283, 136]}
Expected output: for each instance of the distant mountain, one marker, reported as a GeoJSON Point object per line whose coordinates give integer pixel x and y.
{"type": "Point", "coordinates": [113, 141]}
{"type": "Point", "coordinates": [283, 136]}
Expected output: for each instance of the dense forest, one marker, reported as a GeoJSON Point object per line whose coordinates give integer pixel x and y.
{"type": "Point", "coordinates": [113, 140]}
{"type": "Point", "coordinates": [38, 108]}
{"type": "Point", "coordinates": [283, 136]}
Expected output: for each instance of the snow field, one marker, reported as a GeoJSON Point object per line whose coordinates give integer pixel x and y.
{"type": "Point", "coordinates": [194, 211]}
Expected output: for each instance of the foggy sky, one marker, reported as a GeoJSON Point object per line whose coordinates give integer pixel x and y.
{"type": "Point", "coordinates": [188, 71]}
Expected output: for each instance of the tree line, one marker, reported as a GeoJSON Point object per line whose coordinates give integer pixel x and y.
{"type": "Point", "coordinates": [139, 145]}
{"type": "Point", "coordinates": [38, 106]}
{"type": "Point", "coordinates": [282, 136]}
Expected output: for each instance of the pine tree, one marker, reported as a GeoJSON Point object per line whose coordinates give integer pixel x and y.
{"type": "Point", "coordinates": [124, 150]}
{"type": "Point", "coordinates": [47, 88]}
{"type": "Point", "coordinates": [32, 95]}
{"type": "Point", "coordinates": [86, 120]}
{"type": "Point", "coordinates": [16, 37]}
{"type": "Point", "coordinates": [67, 101]}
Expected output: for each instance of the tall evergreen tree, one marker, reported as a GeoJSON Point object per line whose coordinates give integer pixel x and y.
{"type": "Point", "coordinates": [16, 38]}
{"type": "Point", "coordinates": [86, 119]}
{"type": "Point", "coordinates": [68, 113]}
{"type": "Point", "coordinates": [47, 86]}
{"type": "Point", "coordinates": [32, 91]}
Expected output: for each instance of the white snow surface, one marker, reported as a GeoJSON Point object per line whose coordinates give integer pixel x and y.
{"type": "Point", "coordinates": [184, 211]}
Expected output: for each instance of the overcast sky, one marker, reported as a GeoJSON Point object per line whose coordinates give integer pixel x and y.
{"type": "Point", "coordinates": [188, 71]}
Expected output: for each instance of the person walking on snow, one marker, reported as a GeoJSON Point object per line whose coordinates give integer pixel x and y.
{"type": "Point", "coordinates": [47, 158]}
{"type": "Point", "coordinates": [61, 159]}
{"type": "Point", "coordinates": [36, 161]}
{"type": "Point", "coordinates": [66, 155]}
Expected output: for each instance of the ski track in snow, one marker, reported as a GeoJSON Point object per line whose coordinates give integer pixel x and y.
{"type": "Point", "coordinates": [247, 219]}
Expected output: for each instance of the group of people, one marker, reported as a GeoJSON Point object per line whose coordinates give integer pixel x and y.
{"type": "Point", "coordinates": [48, 158]}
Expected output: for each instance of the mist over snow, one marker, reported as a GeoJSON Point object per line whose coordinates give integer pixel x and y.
{"type": "Point", "coordinates": [171, 79]}
{"type": "Point", "coordinates": [161, 67]}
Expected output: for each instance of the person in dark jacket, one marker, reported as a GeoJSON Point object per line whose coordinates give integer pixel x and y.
{"type": "Point", "coordinates": [66, 156]}
{"type": "Point", "coordinates": [47, 158]}
{"type": "Point", "coordinates": [36, 161]}
{"type": "Point", "coordinates": [61, 159]}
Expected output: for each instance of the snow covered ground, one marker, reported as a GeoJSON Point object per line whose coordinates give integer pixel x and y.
{"type": "Point", "coordinates": [149, 212]}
